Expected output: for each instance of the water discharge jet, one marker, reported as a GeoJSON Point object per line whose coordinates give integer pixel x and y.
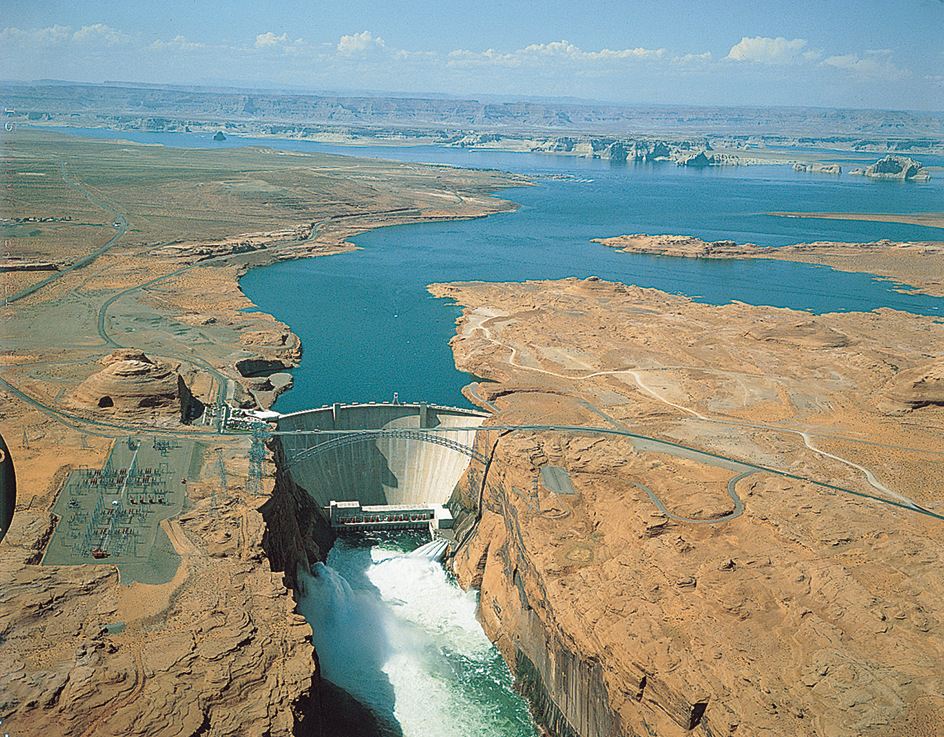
{"type": "Point", "coordinates": [397, 633]}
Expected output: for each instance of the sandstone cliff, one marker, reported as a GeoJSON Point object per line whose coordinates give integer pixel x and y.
{"type": "Point", "coordinates": [920, 386]}
{"type": "Point", "coordinates": [296, 532]}
{"type": "Point", "coordinates": [132, 382]}
{"type": "Point", "coordinates": [746, 548]}
{"type": "Point", "coordinates": [219, 650]}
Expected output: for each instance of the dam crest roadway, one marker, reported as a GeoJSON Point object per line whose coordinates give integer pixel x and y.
{"type": "Point", "coordinates": [392, 465]}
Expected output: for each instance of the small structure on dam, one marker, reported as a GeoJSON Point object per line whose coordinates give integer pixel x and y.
{"type": "Point", "coordinates": [369, 465]}
{"type": "Point", "coordinates": [353, 516]}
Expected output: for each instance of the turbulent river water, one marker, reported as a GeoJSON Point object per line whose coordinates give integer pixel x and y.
{"type": "Point", "coordinates": [369, 329]}
{"type": "Point", "coordinates": [392, 629]}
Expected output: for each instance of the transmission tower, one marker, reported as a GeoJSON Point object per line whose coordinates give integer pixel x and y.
{"type": "Point", "coordinates": [257, 454]}
{"type": "Point", "coordinates": [222, 471]}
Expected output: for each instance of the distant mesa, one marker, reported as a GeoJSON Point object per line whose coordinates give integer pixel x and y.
{"type": "Point", "coordinates": [894, 166]}
{"type": "Point", "coordinates": [219, 136]}
{"type": "Point", "coordinates": [698, 161]}
{"type": "Point", "coordinates": [132, 382]}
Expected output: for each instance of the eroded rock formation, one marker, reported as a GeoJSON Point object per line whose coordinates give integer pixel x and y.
{"type": "Point", "coordinates": [894, 166]}
{"type": "Point", "coordinates": [132, 382]}
{"type": "Point", "coordinates": [679, 245]}
{"type": "Point", "coordinates": [820, 168]}
{"type": "Point", "coordinates": [916, 387]}
{"type": "Point", "coordinates": [919, 264]}
{"type": "Point", "coordinates": [218, 650]}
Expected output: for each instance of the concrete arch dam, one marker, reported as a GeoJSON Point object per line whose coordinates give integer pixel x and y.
{"type": "Point", "coordinates": [409, 455]}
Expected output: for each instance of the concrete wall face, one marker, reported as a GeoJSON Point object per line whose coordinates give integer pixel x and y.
{"type": "Point", "coordinates": [378, 470]}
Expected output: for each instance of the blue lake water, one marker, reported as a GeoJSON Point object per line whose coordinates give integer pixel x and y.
{"type": "Point", "coordinates": [369, 328]}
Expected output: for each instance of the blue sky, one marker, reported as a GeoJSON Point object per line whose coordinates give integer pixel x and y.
{"type": "Point", "coordinates": [885, 54]}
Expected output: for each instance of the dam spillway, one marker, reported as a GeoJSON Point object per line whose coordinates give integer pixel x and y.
{"type": "Point", "coordinates": [380, 454]}
{"type": "Point", "coordinates": [391, 628]}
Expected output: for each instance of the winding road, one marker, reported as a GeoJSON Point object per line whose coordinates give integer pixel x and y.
{"type": "Point", "coordinates": [477, 322]}
{"type": "Point", "coordinates": [85, 260]}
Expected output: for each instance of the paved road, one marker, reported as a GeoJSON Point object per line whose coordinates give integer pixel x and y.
{"type": "Point", "coordinates": [738, 504]}
{"type": "Point", "coordinates": [85, 260]}
{"type": "Point", "coordinates": [107, 429]}
{"type": "Point", "coordinates": [644, 442]}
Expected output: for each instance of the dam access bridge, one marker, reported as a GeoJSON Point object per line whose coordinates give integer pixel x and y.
{"type": "Point", "coordinates": [382, 465]}
{"type": "Point", "coordinates": [391, 465]}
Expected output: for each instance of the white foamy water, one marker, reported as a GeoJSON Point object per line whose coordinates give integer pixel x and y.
{"type": "Point", "coordinates": [393, 630]}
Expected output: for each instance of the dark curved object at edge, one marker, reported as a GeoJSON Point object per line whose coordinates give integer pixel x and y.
{"type": "Point", "coordinates": [7, 488]}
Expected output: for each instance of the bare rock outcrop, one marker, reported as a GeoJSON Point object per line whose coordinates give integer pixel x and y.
{"type": "Point", "coordinates": [920, 386]}
{"type": "Point", "coordinates": [132, 382]}
{"type": "Point", "coordinates": [820, 168]}
{"type": "Point", "coordinates": [757, 554]}
{"type": "Point", "coordinates": [218, 650]}
{"type": "Point", "coordinates": [811, 334]}
{"type": "Point", "coordinates": [697, 160]}
{"type": "Point", "coordinates": [212, 664]}
{"type": "Point", "coordinates": [894, 166]}
{"type": "Point", "coordinates": [684, 246]}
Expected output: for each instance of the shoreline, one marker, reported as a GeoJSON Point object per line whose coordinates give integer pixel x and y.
{"type": "Point", "coordinates": [930, 219]}
{"type": "Point", "coordinates": [678, 148]}
{"type": "Point", "coordinates": [768, 451]}
{"type": "Point", "coordinates": [918, 265]}
{"type": "Point", "coordinates": [169, 289]}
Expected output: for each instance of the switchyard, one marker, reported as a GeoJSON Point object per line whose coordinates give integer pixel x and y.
{"type": "Point", "coordinates": [113, 514]}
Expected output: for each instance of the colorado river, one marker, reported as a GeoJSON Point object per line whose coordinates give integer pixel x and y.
{"type": "Point", "coordinates": [393, 630]}
{"type": "Point", "coordinates": [369, 328]}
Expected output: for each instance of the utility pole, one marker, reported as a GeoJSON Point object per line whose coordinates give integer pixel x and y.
{"type": "Point", "coordinates": [222, 471]}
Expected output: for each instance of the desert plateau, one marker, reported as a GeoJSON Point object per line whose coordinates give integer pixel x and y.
{"type": "Point", "coordinates": [670, 515]}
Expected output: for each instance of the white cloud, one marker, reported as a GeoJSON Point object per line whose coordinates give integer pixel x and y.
{"type": "Point", "coordinates": [566, 50]}
{"type": "Point", "coordinates": [556, 51]}
{"type": "Point", "coordinates": [358, 43]}
{"type": "Point", "coordinates": [40, 37]}
{"type": "Point", "coordinates": [267, 40]}
{"type": "Point", "coordinates": [179, 43]}
{"type": "Point", "coordinates": [873, 65]}
{"type": "Point", "coordinates": [552, 68]}
{"type": "Point", "coordinates": [870, 67]}
{"type": "Point", "coordinates": [772, 50]}
{"type": "Point", "coordinates": [693, 58]}
{"type": "Point", "coordinates": [101, 33]}
{"type": "Point", "coordinates": [404, 54]}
